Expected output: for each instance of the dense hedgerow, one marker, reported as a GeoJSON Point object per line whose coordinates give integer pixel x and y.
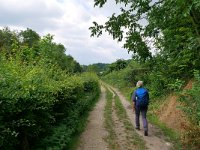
{"type": "Point", "coordinates": [43, 95]}
{"type": "Point", "coordinates": [35, 98]}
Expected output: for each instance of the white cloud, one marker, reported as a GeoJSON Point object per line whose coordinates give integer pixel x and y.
{"type": "Point", "coordinates": [69, 21]}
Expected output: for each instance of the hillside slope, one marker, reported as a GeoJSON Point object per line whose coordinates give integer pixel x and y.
{"type": "Point", "coordinates": [170, 114]}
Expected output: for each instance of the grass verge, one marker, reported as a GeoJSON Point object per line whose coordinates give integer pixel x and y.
{"type": "Point", "coordinates": [109, 124]}
{"type": "Point", "coordinates": [130, 130]}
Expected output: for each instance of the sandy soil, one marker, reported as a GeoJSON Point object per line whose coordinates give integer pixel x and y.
{"type": "Point", "coordinates": [171, 115]}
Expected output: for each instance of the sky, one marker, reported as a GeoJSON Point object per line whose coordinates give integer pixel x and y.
{"type": "Point", "coordinates": [68, 21]}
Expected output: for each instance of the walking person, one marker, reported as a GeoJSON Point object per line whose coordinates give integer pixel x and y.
{"type": "Point", "coordinates": [140, 98]}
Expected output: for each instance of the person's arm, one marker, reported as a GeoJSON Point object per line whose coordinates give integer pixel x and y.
{"type": "Point", "coordinates": [133, 101]}
{"type": "Point", "coordinates": [133, 106]}
{"type": "Point", "coordinates": [148, 97]}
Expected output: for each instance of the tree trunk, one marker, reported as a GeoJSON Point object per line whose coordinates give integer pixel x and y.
{"type": "Point", "coordinates": [24, 144]}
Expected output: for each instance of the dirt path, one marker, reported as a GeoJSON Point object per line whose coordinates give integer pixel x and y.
{"type": "Point", "coordinates": [93, 138]}
{"type": "Point", "coordinates": [94, 134]}
{"type": "Point", "coordinates": [155, 140]}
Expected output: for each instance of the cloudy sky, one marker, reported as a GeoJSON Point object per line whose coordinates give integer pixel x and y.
{"type": "Point", "coordinates": [68, 21]}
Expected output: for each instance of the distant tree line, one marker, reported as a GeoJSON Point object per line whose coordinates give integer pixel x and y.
{"type": "Point", "coordinates": [32, 48]}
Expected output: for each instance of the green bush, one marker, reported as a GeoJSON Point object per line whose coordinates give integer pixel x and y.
{"type": "Point", "coordinates": [191, 99]}
{"type": "Point", "coordinates": [35, 98]}
{"type": "Point", "coordinates": [41, 95]}
{"type": "Point", "coordinates": [62, 134]}
{"type": "Point", "coordinates": [26, 96]}
{"type": "Point", "coordinates": [191, 107]}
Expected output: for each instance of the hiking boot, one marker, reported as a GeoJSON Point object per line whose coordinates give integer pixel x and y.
{"type": "Point", "coordinates": [137, 128]}
{"type": "Point", "coordinates": [145, 133]}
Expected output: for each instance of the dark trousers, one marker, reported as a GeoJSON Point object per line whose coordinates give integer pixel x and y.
{"type": "Point", "coordinates": [143, 111]}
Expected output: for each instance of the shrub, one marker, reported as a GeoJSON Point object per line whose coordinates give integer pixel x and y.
{"type": "Point", "coordinates": [191, 107]}
{"type": "Point", "coordinates": [35, 98]}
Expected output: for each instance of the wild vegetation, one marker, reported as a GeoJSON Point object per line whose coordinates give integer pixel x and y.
{"type": "Point", "coordinates": [164, 37]}
{"type": "Point", "coordinates": [43, 94]}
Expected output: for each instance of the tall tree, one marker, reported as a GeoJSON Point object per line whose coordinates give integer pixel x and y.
{"type": "Point", "coordinates": [172, 27]}
{"type": "Point", "coordinates": [7, 39]}
{"type": "Point", "coordinates": [29, 37]}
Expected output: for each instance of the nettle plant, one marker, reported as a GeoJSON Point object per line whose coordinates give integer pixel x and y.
{"type": "Point", "coordinates": [176, 86]}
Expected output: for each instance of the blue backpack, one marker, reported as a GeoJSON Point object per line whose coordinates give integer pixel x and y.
{"type": "Point", "coordinates": [142, 97]}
